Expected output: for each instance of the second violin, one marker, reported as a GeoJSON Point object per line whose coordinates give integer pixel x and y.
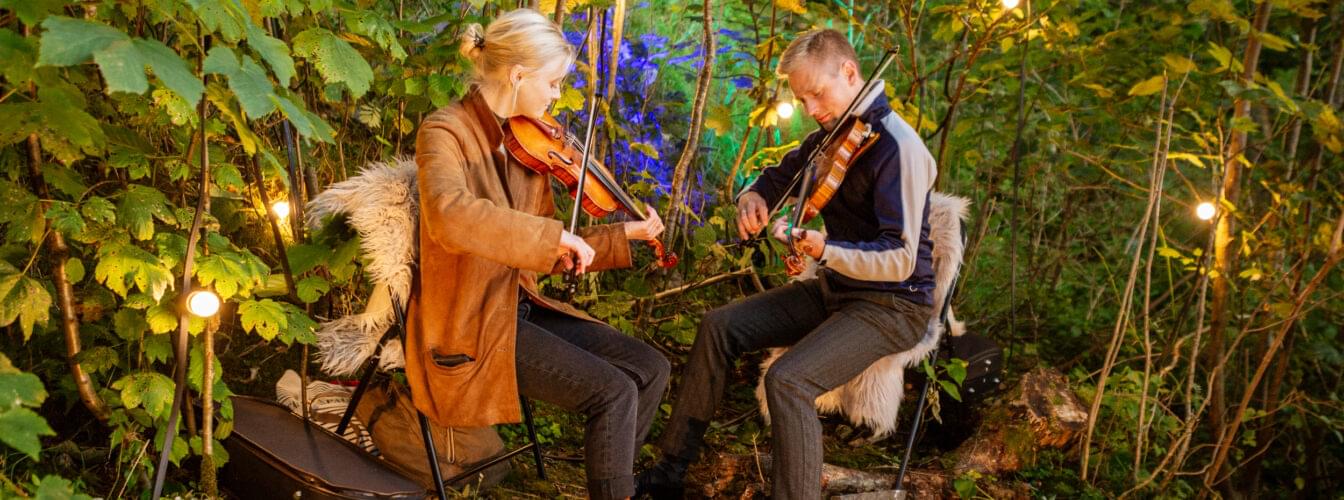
{"type": "Point", "coordinates": [543, 145]}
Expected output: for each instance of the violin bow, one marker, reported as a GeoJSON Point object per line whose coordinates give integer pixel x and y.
{"type": "Point", "coordinates": [572, 283]}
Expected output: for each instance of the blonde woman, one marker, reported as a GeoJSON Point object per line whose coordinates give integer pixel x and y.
{"type": "Point", "coordinates": [479, 333]}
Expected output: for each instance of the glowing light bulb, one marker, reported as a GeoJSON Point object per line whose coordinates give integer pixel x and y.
{"type": "Point", "coordinates": [280, 209]}
{"type": "Point", "coordinates": [1206, 211]}
{"type": "Point", "coordinates": [1010, 4]}
{"type": "Point", "coordinates": [203, 303]}
{"type": "Point", "coordinates": [784, 109]}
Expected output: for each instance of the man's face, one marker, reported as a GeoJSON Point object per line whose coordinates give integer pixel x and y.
{"type": "Point", "coordinates": [825, 88]}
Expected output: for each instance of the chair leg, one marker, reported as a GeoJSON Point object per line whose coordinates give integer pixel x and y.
{"type": "Point", "coordinates": [364, 382]}
{"type": "Point", "coordinates": [433, 456]}
{"type": "Point", "coordinates": [914, 432]}
{"type": "Point", "coordinates": [532, 434]}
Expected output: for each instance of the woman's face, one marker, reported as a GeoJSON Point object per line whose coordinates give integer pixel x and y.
{"type": "Point", "coordinates": [539, 88]}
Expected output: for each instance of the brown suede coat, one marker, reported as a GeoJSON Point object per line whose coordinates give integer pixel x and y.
{"type": "Point", "coordinates": [486, 230]}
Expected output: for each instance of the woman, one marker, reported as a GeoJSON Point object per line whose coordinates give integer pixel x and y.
{"type": "Point", "coordinates": [479, 332]}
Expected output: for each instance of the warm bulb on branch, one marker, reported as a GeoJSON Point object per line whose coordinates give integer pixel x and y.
{"type": "Point", "coordinates": [1206, 211]}
{"type": "Point", "coordinates": [784, 109]}
{"type": "Point", "coordinates": [203, 303]}
{"type": "Point", "coordinates": [280, 209]}
{"type": "Point", "coordinates": [1010, 4]}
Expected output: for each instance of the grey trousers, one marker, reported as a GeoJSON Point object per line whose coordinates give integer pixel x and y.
{"type": "Point", "coordinates": [834, 336]}
{"type": "Point", "coordinates": [614, 380]}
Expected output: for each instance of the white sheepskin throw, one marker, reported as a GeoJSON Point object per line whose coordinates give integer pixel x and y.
{"type": "Point", "coordinates": [382, 204]}
{"type": "Point", "coordinates": [873, 397]}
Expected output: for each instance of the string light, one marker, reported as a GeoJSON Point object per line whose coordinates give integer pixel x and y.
{"type": "Point", "coordinates": [280, 209]}
{"type": "Point", "coordinates": [1206, 211]}
{"type": "Point", "coordinates": [1009, 4]}
{"type": "Point", "coordinates": [784, 109]}
{"type": "Point", "coordinates": [203, 303]}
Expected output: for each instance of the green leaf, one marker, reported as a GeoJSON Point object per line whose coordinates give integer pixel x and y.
{"type": "Point", "coordinates": [121, 265]}
{"type": "Point", "coordinates": [69, 41]}
{"type": "Point", "coordinates": [220, 60]}
{"type": "Point", "coordinates": [31, 12]}
{"type": "Point", "coordinates": [74, 271]}
{"type": "Point", "coordinates": [311, 288]}
{"type": "Point", "coordinates": [334, 59]}
{"type": "Point", "coordinates": [18, 389]}
{"type": "Point", "coordinates": [139, 205]}
{"type": "Point", "coordinates": [129, 324]}
{"type": "Point", "coordinates": [306, 257]}
{"type": "Point", "coordinates": [65, 218]}
{"type": "Point", "coordinates": [272, 50]}
{"type": "Point", "coordinates": [21, 429]}
{"type": "Point", "coordinates": [64, 179]}
{"type": "Point", "coordinates": [171, 70]}
{"type": "Point", "coordinates": [951, 389]}
{"type": "Point", "coordinates": [219, 17]}
{"type": "Point", "coordinates": [98, 210]}
{"type": "Point", "coordinates": [158, 348]}
{"type": "Point", "coordinates": [299, 327]}
{"type": "Point", "coordinates": [66, 130]}
{"type": "Point", "coordinates": [227, 176]}
{"type": "Point", "coordinates": [23, 299]}
{"type": "Point", "coordinates": [266, 317]}
{"type": "Point", "coordinates": [57, 488]}
{"type": "Point", "coordinates": [161, 319]}
{"type": "Point", "coordinates": [150, 390]}
{"type": "Point", "coordinates": [307, 124]}
{"type": "Point", "coordinates": [123, 68]}
{"type": "Point", "coordinates": [17, 56]}
{"type": "Point", "coordinates": [253, 88]}
{"type": "Point", "coordinates": [1149, 86]}
{"type": "Point", "coordinates": [222, 271]}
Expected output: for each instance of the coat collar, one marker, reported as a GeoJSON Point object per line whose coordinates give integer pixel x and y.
{"type": "Point", "coordinates": [475, 103]}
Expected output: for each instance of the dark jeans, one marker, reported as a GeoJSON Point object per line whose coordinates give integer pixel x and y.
{"type": "Point", "coordinates": [614, 380]}
{"type": "Point", "coordinates": [835, 336]}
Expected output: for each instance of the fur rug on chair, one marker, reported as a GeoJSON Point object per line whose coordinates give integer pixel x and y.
{"type": "Point", "coordinates": [873, 398]}
{"type": "Point", "coordinates": [382, 205]}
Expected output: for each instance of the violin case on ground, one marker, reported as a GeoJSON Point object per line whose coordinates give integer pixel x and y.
{"type": "Point", "coordinates": [274, 455]}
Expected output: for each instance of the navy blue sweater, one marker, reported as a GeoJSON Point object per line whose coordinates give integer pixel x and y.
{"type": "Point", "coordinates": [866, 222]}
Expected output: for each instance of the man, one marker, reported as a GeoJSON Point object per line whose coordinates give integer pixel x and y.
{"type": "Point", "coordinates": [873, 294]}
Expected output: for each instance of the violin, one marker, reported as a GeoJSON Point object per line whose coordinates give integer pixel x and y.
{"type": "Point", "coordinates": [836, 157]}
{"type": "Point", "coordinates": [543, 145]}
{"type": "Point", "coordinates": [841, 146]}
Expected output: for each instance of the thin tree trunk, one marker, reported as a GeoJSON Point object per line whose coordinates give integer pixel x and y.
{"type": "Point", "coordinates": [682, 172]}
{"type": "Point", "coordinates": [617, 31]}
{"type": "Point", "coordinates": [1155, 177]}
{"type": "Point", "coordinates": [65, 293]}
{"type": "Point", "coordinates": [1223, 254]}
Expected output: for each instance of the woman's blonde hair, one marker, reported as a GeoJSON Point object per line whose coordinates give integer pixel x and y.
{"type": "Point", "coordinates": [522, 37]}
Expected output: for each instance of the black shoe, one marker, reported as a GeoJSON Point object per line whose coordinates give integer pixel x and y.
{"type": "Point", "coordinates": [664, 481]}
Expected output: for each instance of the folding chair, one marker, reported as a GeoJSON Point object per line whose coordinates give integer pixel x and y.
{"type": "Point", "coordinates": [398, 329]}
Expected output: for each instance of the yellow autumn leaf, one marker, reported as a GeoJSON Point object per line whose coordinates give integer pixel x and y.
{"type": "Point", "coordinates": [1149, 86]}
{"type": "Point", "coordinates": [1179, 64]}
{"type": "Point", "coordinates": [794, 6]}
{"type": "Point", "coordinates": [1273, 42]}
{"type": "Point", "coordinates": [1101, 91]}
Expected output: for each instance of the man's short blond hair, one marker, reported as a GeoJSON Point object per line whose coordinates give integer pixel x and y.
{"type": "Point", "coordinates": [822, 45]}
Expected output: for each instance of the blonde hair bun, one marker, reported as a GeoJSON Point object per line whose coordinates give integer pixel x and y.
{"type": "Point", "coordinates": [520, 37]}
{"type": "Point", "coordinates": [473, 42]}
